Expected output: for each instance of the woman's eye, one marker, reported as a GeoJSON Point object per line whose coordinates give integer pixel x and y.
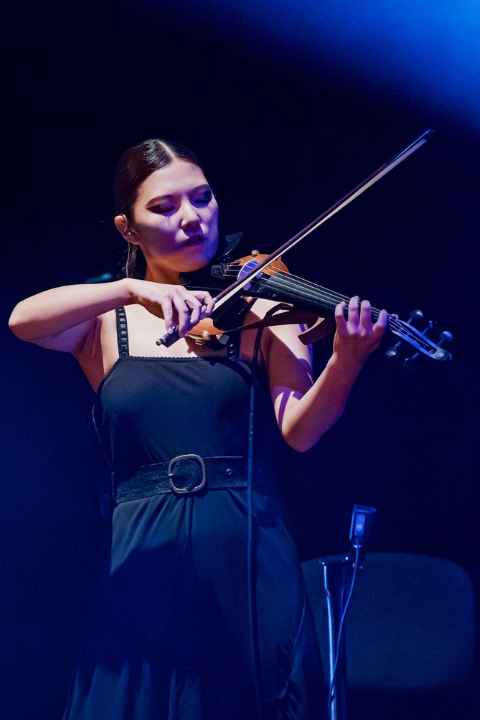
{"type": "Point", "coordinates": [162, 209]}
{"type": "Point", "coordinates": [204, 198]}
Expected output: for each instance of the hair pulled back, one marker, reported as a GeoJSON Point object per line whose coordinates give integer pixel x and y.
{"type": "Point", "coordinates": [134, 166]}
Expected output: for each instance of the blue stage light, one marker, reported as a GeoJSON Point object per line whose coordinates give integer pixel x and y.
{"type": "Point", "coordinates": [425, 51]}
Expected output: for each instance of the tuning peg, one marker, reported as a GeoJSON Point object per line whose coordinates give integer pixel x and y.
{"type": "Point", "coordinates": [392, 351]}
{"type": "Point", "coordinates": [414, 315]}
{"type": "Point", "coordinates": [408, 362]}
{"type": "Point", "coordinates": [445, 335]}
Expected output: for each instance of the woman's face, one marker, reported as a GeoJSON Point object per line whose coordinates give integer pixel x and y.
{"type": "Point", "coordinates": [175, 219]}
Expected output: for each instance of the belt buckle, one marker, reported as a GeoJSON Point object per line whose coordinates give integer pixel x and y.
{"type": "Point", "coordinates": [186, 490]}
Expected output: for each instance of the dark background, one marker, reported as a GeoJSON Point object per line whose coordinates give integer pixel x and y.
{"type": "Point", "coordinates": [283, 131]}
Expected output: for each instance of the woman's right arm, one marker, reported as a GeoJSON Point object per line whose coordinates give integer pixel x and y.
{"type": "Point", "coordinates": [65, 318]}
{"type": "Point", "coordinates": [62, 318]}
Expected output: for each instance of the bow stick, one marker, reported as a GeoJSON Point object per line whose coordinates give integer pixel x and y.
{"type": "Point", "coordinates": [243, 281]}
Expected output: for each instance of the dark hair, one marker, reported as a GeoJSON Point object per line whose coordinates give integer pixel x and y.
{"type": "Point", "coordinates": [134, 166]}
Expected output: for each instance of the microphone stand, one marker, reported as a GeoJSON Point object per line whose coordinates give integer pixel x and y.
{"type": "Point", "coordinates": [339, 573]}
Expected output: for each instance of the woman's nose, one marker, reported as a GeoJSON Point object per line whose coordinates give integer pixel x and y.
{"type": "Point", "coordinates": [189, 215]}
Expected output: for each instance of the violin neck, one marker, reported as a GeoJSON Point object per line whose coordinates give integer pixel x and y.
{"type": "Point", "coordinates": [287, 287]}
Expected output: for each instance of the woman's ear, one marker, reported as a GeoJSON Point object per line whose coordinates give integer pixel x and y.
{"type": "Point", "coordinates": [123, 227]}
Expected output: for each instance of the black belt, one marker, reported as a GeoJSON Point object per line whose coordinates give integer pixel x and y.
{"type": "Point", "coordinates": [184, 475]}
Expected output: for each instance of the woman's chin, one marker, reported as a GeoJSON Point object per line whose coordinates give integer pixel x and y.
{"type": "Point", "coordinates": [199, 255]}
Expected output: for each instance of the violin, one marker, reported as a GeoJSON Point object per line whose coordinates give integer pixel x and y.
{"type": "Point", "coordinates": [265, 276]}
{"type": "Point", "coordinates": [300, 302]}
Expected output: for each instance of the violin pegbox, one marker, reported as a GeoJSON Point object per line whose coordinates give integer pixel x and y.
{"type": "Point", "coordinates": [414, 315]}
{"type": "Point", "coordinates": [418, 339]}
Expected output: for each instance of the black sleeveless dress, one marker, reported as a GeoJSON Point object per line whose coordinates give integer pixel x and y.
{"type": "Point", "coordinates": [169, 637]}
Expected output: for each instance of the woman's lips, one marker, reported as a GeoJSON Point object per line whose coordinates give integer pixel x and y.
{"type": "Point", "coordinates": [195, 240]}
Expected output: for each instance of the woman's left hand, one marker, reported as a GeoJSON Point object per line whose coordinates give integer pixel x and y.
{"type": "Point", "coordinates": [357, 337]}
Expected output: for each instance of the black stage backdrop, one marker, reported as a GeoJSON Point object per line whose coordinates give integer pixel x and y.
{"type": "Point", "coordinates": [281, 138]}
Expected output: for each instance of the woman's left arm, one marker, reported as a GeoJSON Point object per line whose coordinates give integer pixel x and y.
{"type": "Point", "coordinates": [305, 410]}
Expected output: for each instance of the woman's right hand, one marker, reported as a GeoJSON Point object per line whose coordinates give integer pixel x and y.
{"type": "Point", "coordinates": [180, 308]}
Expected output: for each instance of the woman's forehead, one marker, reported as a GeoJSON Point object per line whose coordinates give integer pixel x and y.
{"type": "Point", "coordinates": [179, 176]}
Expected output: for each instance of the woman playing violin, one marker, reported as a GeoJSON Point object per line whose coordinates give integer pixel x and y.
{"type": "Point", "coordinates": [175, 633]}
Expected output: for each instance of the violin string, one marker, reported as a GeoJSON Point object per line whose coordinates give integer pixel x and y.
{"type": "Point", "coordinates": [295, 285]}
{"type": "Point", "coordinates": [303, 289]}
{"type": "Point", "coordinates": [332, 298]}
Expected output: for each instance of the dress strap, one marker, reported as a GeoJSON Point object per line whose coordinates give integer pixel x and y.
{"type": "Point", "coordinates": [122, 332]}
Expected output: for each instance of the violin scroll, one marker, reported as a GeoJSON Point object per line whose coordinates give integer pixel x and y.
{"type": "Point", "coordinates": [418, 339]}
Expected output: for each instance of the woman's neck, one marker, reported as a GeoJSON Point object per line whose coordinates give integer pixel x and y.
{"type": "Point", "coordinates": [162, 275]}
